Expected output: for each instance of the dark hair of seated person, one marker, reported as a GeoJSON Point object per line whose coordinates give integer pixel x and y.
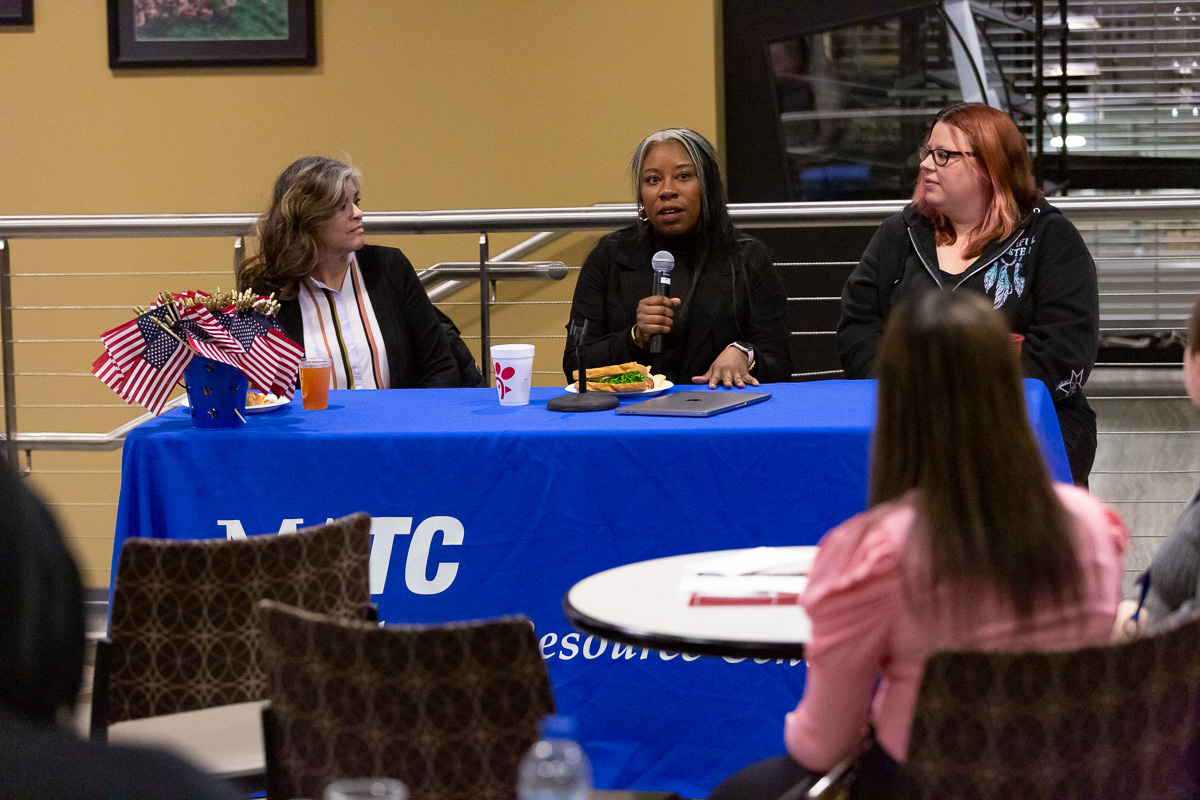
{"type": "Point", "coordinates": [952, 424]}
{"type": "Point", "coordinates": [41, 664]}
{"type": "Point", "coordinates": [41, 608]}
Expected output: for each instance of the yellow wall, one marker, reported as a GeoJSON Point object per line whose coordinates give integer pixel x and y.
{"type": "Point", "coordinates": [441, 103]}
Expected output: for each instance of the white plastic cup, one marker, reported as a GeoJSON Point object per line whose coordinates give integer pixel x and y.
{"type": "Point", "coordinates": [512, 364]}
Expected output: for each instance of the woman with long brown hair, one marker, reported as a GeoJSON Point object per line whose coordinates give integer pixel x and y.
{"type": "Point", "coordinates": [978, 223]}
{"type": "Point", "coordinates": [967, 545]}
{"type": "Point", "coordinates": [359, 305]}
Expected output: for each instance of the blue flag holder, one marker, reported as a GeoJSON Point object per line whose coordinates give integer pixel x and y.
{"type": "Point", "coordinates": [216, 393]}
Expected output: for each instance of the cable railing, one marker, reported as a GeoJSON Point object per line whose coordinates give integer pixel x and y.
{"type": "Point", "coordinates": [446, 278]}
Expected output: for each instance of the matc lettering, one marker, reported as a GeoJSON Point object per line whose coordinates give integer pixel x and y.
{"type": "Point", "coordinates": [384, 531]}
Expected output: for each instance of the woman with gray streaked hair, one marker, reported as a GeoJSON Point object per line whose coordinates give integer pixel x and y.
{"type": "Point", "coordinates": [726, 321]}
{"type": "Point", "coordinates": [359, 305]}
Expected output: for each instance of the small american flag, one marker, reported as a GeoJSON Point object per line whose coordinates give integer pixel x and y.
{"type": "Point", "coordinates": [201, 325]}
{"type": "Point", "coordinates": [246, 325]}
{"type": "Point", "coordinates": [286, 356]}
{"type": "Point", "coordinates": [106, 369]}
{"type": "Point", "coordinates": [269, 359]}
{"type": "Point", "coordinates": [127, 342]}
{"type": "Point", "coordinates": [143, 361]}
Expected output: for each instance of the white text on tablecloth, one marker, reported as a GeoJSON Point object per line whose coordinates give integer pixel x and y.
{"type": "Point", "coordinates": [384, 531]}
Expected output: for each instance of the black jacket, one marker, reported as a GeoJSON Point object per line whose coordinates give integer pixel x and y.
{"type": "Point", "coordinates": [723, 309]}
{"type": "Point", "coordinates": [1042, 278]}
{"type": "Point", "coordinates": [46, 762]}
{"type": "Point", "coordinates": [417, 351]}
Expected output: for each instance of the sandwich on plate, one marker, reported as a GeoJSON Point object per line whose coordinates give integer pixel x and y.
{"type": "Point", "coordinates": [628, 377]}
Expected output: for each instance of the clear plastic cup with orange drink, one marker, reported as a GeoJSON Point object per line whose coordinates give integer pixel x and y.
{"type": "Point", "coordinates": [315, 376]}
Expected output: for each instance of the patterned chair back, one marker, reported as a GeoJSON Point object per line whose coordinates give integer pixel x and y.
{"type": "Point", "coordinates": [183, 631]}
{"type": "Point", "coordinates": [447, 709]}
{"type": "Point", "coordinates": [1117, 721]}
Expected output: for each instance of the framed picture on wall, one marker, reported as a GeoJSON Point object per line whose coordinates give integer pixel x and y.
{"type": "Point", "coordinates": [16, 12]}
{"type": "Point", "coordinates": [210, 33]}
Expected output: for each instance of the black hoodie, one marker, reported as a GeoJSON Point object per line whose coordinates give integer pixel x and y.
{"type": "Point", "coordinates": [1042, 278]}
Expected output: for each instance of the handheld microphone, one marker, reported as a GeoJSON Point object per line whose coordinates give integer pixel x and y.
{"type": "Point", "coordinates": [662, 263]}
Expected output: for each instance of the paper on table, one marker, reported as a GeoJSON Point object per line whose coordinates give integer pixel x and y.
{"type": "Point", "coordinates": [758, 576]}
{"type": "Point", "coordinates": [752, 600]}
{"type": "Point", "coordinates": [777, 560]}
{"type": "Point", "coordinates": [743, 585]}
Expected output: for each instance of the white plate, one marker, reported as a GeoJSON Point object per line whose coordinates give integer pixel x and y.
{"type": "Point", "coordinates": [662, 387]}
{"type": "Point", "coordinates": [270, 405]}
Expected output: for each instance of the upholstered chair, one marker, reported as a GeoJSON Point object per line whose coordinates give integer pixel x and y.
{"type": "Point", "coordinates": [182, 665]}
{"type": "Point", "coordinates": [448, 709]}
{"type": "Point", "coordinates": [1117, 721]}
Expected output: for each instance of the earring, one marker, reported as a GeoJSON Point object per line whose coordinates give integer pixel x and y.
{"type": "Point", "coordinates": [642, 214]}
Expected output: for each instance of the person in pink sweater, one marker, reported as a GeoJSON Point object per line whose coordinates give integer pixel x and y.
{"type": "Point", "coordinates": [966, 544]}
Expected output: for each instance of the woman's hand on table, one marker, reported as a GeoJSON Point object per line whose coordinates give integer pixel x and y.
{"type": "Point", "coordinates": [731, 368]}
{"type": "Point", "coordinates": [655, 315]}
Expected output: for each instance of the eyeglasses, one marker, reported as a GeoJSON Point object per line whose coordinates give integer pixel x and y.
{"type": "Point", "coordinates": [941, 157]}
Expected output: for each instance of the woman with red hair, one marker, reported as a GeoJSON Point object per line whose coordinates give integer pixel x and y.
{"type": "Point", "coordinates": [978, 223]}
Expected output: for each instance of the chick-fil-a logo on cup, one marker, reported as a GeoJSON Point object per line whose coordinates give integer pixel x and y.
{"type": "Point", "coordinates": [503, 374]}
{"type": "Point", "coordinates": [513, 365]}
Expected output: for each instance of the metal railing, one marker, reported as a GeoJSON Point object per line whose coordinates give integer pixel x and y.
{"type": "Point", "coordinates": [6, 352]}
{"type": "Point", "coordinates": [443, 279]}
{"type": "Point", "coordinates": [456, 273]}
{"type": "Point", "coordinates": [605, 217]}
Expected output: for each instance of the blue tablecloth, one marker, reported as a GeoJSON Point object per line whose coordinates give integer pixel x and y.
{"type": "Point", "coordinates": [481, 510]}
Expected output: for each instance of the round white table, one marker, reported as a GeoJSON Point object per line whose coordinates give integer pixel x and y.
{"type": "Point", "coordinates": [642, 604]}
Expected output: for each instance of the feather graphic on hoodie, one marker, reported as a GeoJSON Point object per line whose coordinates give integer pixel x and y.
{"type": "Point", "coordinates": [998, 276]}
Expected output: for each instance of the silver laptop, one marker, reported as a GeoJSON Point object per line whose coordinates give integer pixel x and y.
{"type": "Point", "coordinates": [693, 404]}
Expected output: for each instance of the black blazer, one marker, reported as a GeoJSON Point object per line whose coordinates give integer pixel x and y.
{"type": "Point", "coordinates": [617, 275]}
{"type": "Point", "coordinates": [43, 760]}
{"type": "Point", "coordinates": [417, 351]}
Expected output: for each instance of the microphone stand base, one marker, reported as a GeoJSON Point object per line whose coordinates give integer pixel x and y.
{"type": "Point", "coordinates": [587, 401]}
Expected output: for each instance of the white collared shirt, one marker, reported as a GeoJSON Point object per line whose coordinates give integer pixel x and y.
{"type": "Point", "coordinates": [341, 326]}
